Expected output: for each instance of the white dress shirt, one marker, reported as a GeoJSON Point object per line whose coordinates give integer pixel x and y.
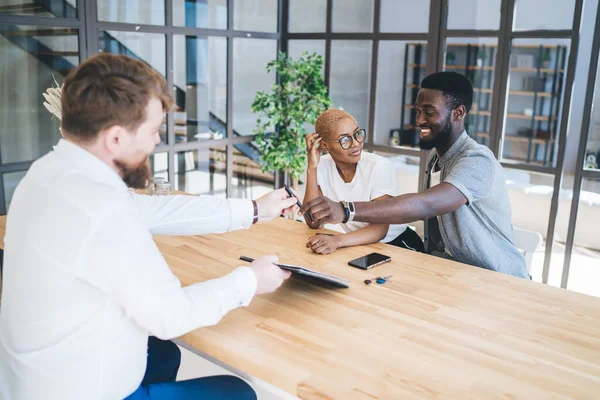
{"type": "Point", "coordinates": [84, 283]}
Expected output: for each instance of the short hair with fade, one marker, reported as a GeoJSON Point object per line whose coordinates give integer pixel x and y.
{"type": "Point", "coordinates": [328, 118]}
{"type": "Point", "coordinates": [108, 90]}
{"type": "Point", "coordinates": [456, 88]}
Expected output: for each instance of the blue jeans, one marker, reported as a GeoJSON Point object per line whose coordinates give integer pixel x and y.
{"type": "Point", "coordinates": [164, 359]}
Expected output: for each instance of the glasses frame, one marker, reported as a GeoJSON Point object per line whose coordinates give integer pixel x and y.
{"type": "Point", "coordinates": [352, 137]}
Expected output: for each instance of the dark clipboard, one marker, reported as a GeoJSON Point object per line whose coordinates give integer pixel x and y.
{"type": "Point", "coordinates": [294, 269]}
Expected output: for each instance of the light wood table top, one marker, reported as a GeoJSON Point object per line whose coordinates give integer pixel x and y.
{"type": "Point", "coordinates": [437, 329]}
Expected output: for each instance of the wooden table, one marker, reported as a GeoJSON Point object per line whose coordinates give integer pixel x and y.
{"type": "Point", "coordinates": [437, 329]}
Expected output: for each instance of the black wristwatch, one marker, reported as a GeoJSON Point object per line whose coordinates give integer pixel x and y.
{"type": "Point", "coordinates": [349, 211]}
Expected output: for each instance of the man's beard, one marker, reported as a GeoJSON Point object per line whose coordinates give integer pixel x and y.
{"type": "Point", "coordinates": [442, 136]}
{"type": "Point", "coordinates": [136, 177]}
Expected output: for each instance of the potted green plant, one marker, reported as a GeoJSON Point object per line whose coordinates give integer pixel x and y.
{"type": "Point", "coordinates": [546, 58]}
{"type": "Point", "coordinates": [297, 99]}
{"type": "Point", "coordinates": [450, 58]}
{"type": "Point", "coordinates": [481, 57]}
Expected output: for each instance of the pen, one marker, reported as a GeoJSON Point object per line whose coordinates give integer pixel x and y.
{"type": "Point", "coordinates": [287, 189]}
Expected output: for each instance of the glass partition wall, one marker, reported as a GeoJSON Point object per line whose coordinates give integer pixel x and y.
{"type": "Point", "coordinates": [522, 59]}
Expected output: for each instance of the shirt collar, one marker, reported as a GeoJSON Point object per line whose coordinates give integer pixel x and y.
{"type": "Point", "coordinates": [82, 159]}
{"type": "Point", "coordinates": [454, 149]}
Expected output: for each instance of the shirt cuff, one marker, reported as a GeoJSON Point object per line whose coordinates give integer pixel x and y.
{"type": "Point", "coordinates": [245, 283]}
{"type": "Point", "coordinates": [242, 213]}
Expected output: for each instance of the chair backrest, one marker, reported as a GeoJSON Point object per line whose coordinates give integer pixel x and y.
{"type": "Point", "coordinates": [528, 242]}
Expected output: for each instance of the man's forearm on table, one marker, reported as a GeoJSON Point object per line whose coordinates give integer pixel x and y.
{"type": "Point", "coordinates": [396, 210]}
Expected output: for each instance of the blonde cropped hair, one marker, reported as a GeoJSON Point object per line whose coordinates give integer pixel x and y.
{"type": "Point", "coordinates": [328, 118]}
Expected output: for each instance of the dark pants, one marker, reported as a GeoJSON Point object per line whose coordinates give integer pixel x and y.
{"type": "Point", "coordinates": [164, 359]}
{"type": "Point", "coordinates": [410, 240]}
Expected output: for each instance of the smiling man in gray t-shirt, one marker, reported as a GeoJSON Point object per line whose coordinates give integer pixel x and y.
{"type": "Point", "coordinates": [465, 202]}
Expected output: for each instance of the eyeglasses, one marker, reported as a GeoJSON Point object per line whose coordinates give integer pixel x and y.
{"type": "Point", "coordinates": [346, 140]}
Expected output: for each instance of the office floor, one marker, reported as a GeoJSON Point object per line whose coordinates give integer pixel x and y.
{"type": "Point", "coordinates": [194, 366]}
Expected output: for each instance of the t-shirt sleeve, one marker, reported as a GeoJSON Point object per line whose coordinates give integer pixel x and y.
{"type": "Point", "coordinates": [384, 179]}
{"type": "Point", "coordinates": [473, 176]}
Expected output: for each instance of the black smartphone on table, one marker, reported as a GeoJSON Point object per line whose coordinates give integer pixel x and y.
{"type": "Point", "coordinates": [298, 203]}
{"type": "Point", "coordinates": [370, 260]}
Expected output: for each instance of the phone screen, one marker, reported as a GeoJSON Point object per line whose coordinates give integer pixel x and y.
{"type": "Point", "coordinates": [369, 260]}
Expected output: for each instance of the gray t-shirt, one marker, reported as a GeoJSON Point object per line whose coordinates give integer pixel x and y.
{"type": "Point", "coordinates": [479, 233]}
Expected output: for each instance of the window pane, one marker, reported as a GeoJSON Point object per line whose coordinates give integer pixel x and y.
{"type": "Point", "coordinates": [255, 15]}
{"type": "Point", "coordinates": [200, 77]}
{"type": "Point", "coordinates": [297, 47]}
{"type": "Point", "coordinates": [132, 11]}
{"type": "Point", "coordinates": [33, 59]}
{"type": "Point", "coordinates": [476, 59]}
{"type": "Point", "coordinates": [11, 180]}
{"type": "Point", "coordinates": [202, 171]}
{"type": "Point", "coordinates": [400, 69]}
{"type": "Point", "coordinates": [59, 9]}
{"type": "Point", "coordinates": [352, 16]}
{"type": "Point", "coordinates": [537, 71]}
{"type": "Point", "coordinates": [350, 77]}
{"type": "Point", "coordinates": [248, 181]}
{"type": "Point", "coordinates": [250, 58]}
{"type": "Point", "coordinates": [530, 191]}
{"type": "Point", "coordinates": [474, 14]}
{"type": "Point", "coordinates": [592, 152]}
{"type": "Point", "coordinates": [307, 15]}
{"type": "Point", "coordinates": [295, 50]}
{"type": "Point", "coordinates": [159, 165]}
{"type": "Point", "coordinates": [530, 14]}
{"type": "Point", "coordinates": [584, 272]}
{"type": "Point", "coordinates": [200, 13]}
{"type": "Point", "coordinates": [395, 18]}
{"type": "Point", "coordinates": [148, 47]}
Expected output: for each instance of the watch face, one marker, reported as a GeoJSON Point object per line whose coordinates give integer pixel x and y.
{"type": "Point", "coordinates": [351, 206]}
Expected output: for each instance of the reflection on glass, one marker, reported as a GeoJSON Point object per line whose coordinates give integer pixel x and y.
{"type": "Point", "coordinates": [58, 9]}
{"type": "Point", "coordinates": [536, 85]}
{"type": "Point", "coordinates": [148, 47]}
{"type": "Point", "coordinates": [530, 15]}
{"type": "Point", "coordinates": [529, 191]}
{"type": "Point", "coordinates": [162, 131]}
{"type": "Point", "coordinates": [400, 69]}
{"type": "Point", "coordinates": [250, 58]}
{"type": "Point", "coordinates": [307, 15]}
{"type": "Point", "coordinates": [350, 76]}
{"type": "Point", "coordinates": [248, 180]}
{"type": "Point", "coordinates": [11, 180]}
{"type": "Point", "coordinates": [202, 171]}
{"type": "Point", "coordinates": [32, 60]}
{"type": "Point", "coordinates": [200, 77]}
{"type": "Point", "coordinates": [200, 13]}
{"type": "Point", "coordinates": [159, 165]}
{"type": "Point", "coordinates": [255, 15]}
{"type": "Point", "coordinates": [132, 11]}
{"type": "Point", "coordinates": [474, 14]}
{"type": "Point", "coordinates": [584, 272]}
{"type": "Point", "coordinates": [352, 16]}
{"type": "Point", "coordinates": [592, 151]}
{"type": "Point", "coordinates": [476, 59]}
{"type": "Point", "coordinates": [404, 16]}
